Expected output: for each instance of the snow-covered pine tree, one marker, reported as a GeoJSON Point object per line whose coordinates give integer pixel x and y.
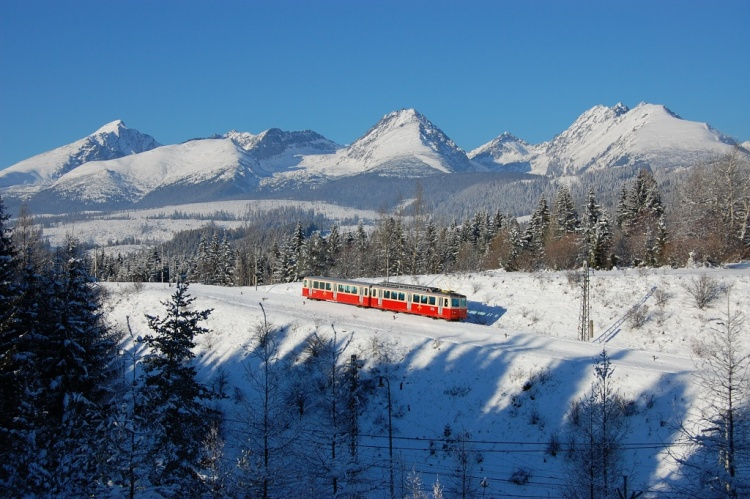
{"type": "Point", "coordinates": [9, 294]}
{"type": "Point", "coordinates": [333, 247]}
{"type": "Point", "coordinates": [297, 246]}
{"type": "Point", "coordinates": [564, 213]}
{"type": "Point", "coordinates": [226, 263]}
{"type": "Point", "coordinates": [431, 256]}
{"type": "Point", "coordinates": [202, 265]}
{"type": "Point", "coordinates": [314, 257]}
{"type": "Point", "coordinates": [174, 398]}
{"type": "Point", "coordinates": [536, 232]}
{"type": "Point", "coordinates": [84, 350]}
{"type": "Point", "coordinates": [597, 234]}
{"type": "Point", "coordinates": [8, 285]}
{"type": "Point", "coordinates": [26, 467]}
{"type": "Point", "coordinates": [63, 356]}
{"type": "Point", "coordinates": [362, 244]}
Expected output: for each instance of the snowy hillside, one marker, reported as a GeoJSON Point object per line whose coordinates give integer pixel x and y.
{"type": "Point", "coordinates": [275, 150]}
{"type": "Point", "coordinates": [130, 178]}
{"type": "Point", "coordinates": [158, 225]}
{"type": "Point", "coordinates": [504, 380]}
{"type": "Point", "coordinates": [606, 137]}
{"type": "Point", "coordinates": [113, 140]}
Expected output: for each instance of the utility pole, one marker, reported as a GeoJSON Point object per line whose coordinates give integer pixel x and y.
{"type": "Point", "coordinates": [255, 269]}
{"type": "Point", "coordinates": [585, 324]}
{"type": "Point", "coordinates": [390, 429]}
{"type": "Point", "coordinates": [623, 494]}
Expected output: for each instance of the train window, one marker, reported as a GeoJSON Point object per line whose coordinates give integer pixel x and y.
{"type": "Point", "coordinates": [402, 296]}
{"type": "Point", "coordinates": [424, 299]}
{"type": "Point", "coordinates": [366, 291]}
{"type": "Point", "coordinates": [328, 286]}
{"type": "Point", "coordinates": [315, 284]}
{"type": "Point", "coordinates": [454, 302]}
{"type": "Point", "coordinates": [463, 302]}
{"type": "Point", "coordinates": [354, 289]}
{"type": "Point", "coordinates": [432, 300]}
{"type": "Point", "coordinates": [446, 302]}
{"type": "Point", "coordinates": [304, 284]}
{"type": "Point", "coordinates": [415, 298]}
{"type": "Point", "coordinates": [386, 294]}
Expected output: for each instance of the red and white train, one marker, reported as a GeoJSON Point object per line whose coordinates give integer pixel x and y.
{"type": "Point", "coordinates": [411, 299]}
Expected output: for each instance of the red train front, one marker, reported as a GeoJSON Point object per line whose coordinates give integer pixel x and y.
{"type": "Point", "coordinates": [407, 298]}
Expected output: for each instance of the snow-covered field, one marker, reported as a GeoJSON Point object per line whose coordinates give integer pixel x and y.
{"type": "Point", "coordinates": [157, 225]}
{"type": "Point", "coordinates": [507, 376]}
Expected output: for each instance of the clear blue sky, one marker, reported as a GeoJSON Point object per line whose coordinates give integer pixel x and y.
{"type": "Point", "coordinates": [185, 69]}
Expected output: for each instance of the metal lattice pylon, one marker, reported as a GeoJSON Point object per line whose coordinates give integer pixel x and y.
{"type": "Point", "coordinates": [585, 326]}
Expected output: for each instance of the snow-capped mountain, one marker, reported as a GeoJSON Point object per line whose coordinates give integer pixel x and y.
{"type": "Point", "coordinates": [113, 140]}
{"type": "Point", "coordinates": [276, 150]}
{"type": "Point", "coordinates": [605, 137]}
{"type": "Point", "coordinates": [403, 143]}
{"type": "Point", "coordinates": [406, 143]}
{"type": "Point", "coordinates": [210, 163]}
{"type": "Point", "coordinates": [507, 151]}
{"type": "Point", "coordinates": [117, 166]}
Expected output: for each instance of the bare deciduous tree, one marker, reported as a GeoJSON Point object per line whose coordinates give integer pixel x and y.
{"type": "Point", "coordinates": [716, 457]}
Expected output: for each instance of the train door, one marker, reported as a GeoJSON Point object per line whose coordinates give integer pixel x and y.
{"type": "Point", "coordinates": [440, 305]}
{"type": "Point", "coordinates": [380, 296]}
{"type": "Point", "coordinates": [362, 291]}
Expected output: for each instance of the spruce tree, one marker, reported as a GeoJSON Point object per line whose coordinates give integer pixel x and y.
{"type": "Point", "coordinates": [9, 291]}
{"type": "Point", "coordinates": [597, 234]}
{"type": "Point", "coordinates": [565, 215]}
{"type": "Point", "coordinates": [62, 357]}
{"type": "Point", "coordinates": [174, 397]}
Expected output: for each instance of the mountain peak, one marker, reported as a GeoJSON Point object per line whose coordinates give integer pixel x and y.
{"type": "Point", "coordinates": [114, 127]}
{"type": "Point", "coordinates": [620, 109]}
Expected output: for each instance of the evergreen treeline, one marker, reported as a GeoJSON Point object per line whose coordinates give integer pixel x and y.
{"type": "Point", "coordinates": [702, 220]}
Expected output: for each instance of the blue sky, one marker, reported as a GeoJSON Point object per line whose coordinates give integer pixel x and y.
{"type": "Point", "coordinates": [184, 69]}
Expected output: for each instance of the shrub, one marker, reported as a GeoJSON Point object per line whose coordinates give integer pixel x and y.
{"type": "Point", "coordinates": [704, 290]}
{"type": "Point", "coordinates": [520, 476]}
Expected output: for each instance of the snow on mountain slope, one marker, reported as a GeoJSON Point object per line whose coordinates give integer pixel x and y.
{"type": "Point", "coordinates": [276, 150]}
{"type": "Point", "coordinates": [111, 141]}
{"type": "Point", "coordinates": [506, 150]}
{"type": "Point", "coordinates": [129, 178]}
{"type": "Point", "coordinates": [403, 143]}
{"type": "Point", "coordinates": [605, 137]}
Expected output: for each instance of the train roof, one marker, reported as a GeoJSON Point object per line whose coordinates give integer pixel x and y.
{"type": "Point", "coordinates": [392, 285]}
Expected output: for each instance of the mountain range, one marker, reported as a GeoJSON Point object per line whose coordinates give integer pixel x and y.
{"type": "Point", "coordinates": [117, 167]}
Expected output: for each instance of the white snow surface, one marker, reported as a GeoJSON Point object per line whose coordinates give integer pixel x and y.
{"type": "Point", "coordinates": [157, 225]}
{"type": "Point", "coordinates": [507, 376]}
{"type": "Point", "coordinates": [131, 177]}
{"type": "Point", "coordinates": [605, 137]}
{"type": "Point", "coordinates": [112, 140]}
{"type": "Point", "coordinates": [403, 143]}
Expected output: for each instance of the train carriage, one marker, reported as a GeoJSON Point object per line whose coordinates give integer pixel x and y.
{"type": "Point", "coordinates": [407, 298]}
